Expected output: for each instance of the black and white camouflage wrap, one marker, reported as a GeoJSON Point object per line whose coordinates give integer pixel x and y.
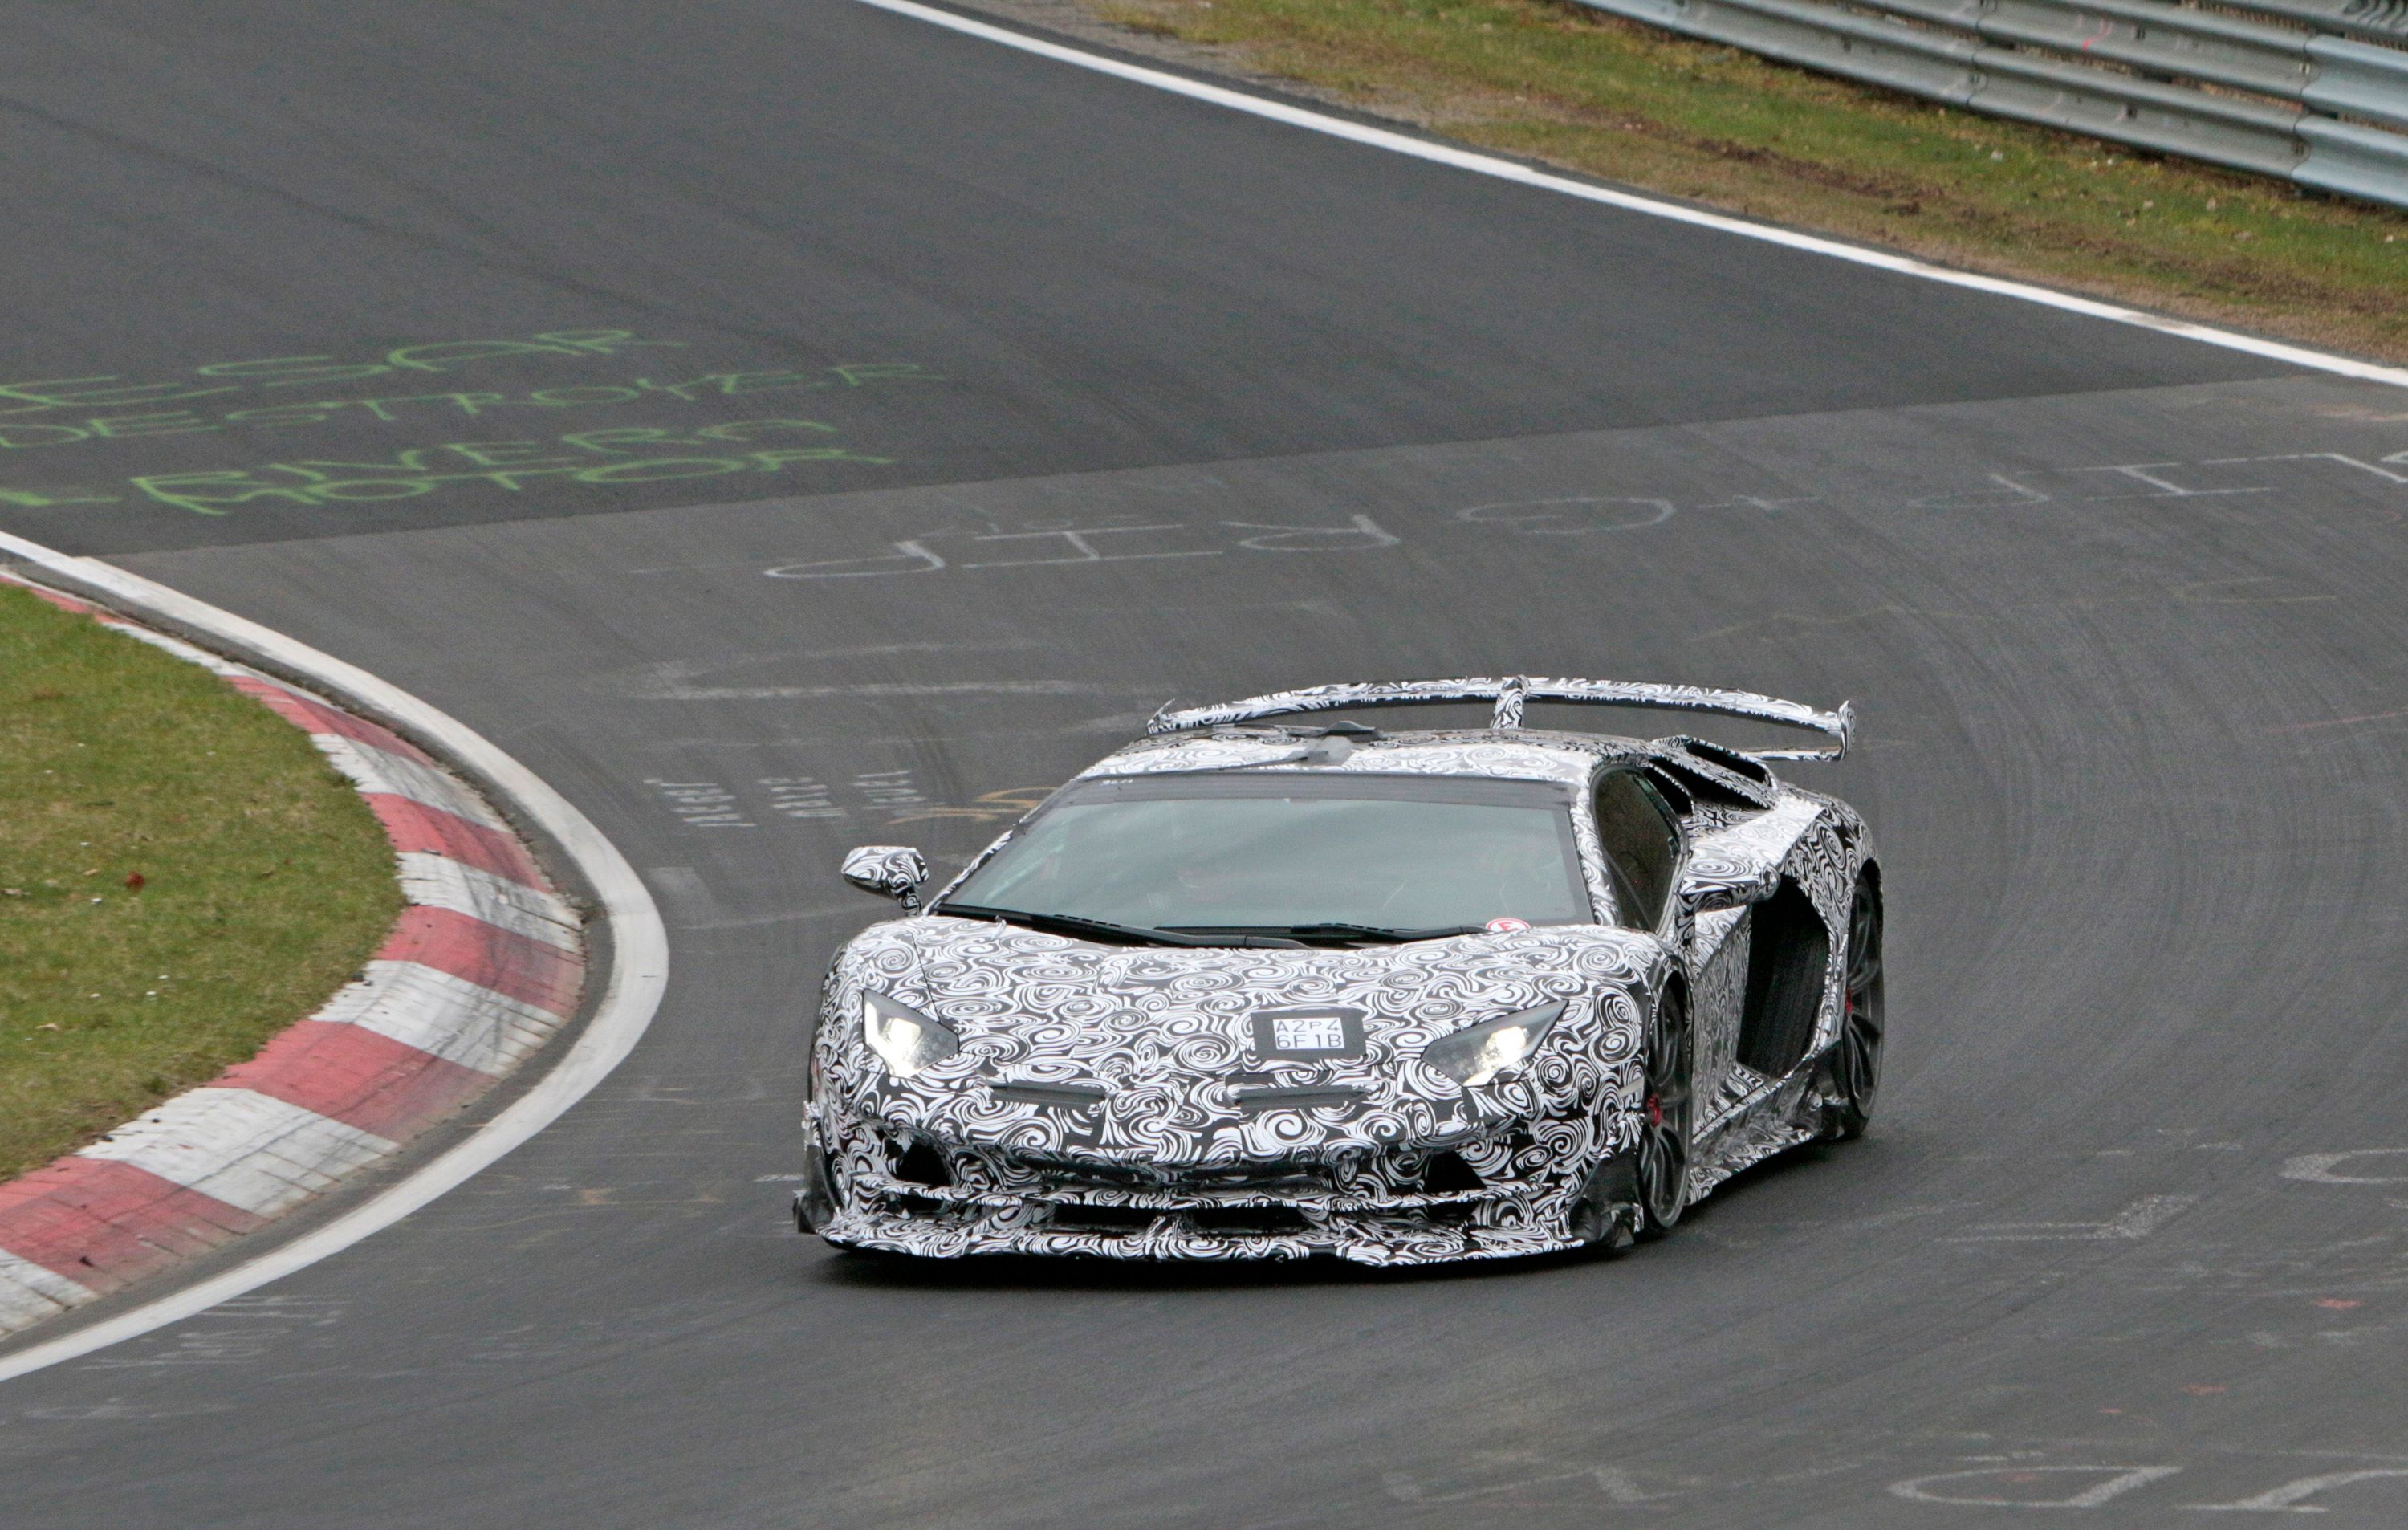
{"type": "Point", "coordinates": [1123, 1082]}
{"type": "Point", "coordinates": [1512, 693]}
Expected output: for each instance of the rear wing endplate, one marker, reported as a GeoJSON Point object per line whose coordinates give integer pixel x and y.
{"type": "Point", "coordinates": [1511, 692]}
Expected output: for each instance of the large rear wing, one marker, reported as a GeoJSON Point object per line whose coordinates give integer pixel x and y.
{"type": "Point", "coordinates": [1511, 692]}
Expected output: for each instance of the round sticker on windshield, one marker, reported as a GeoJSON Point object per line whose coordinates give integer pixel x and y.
{"type": "Point", "coordinates": [1507, 925]}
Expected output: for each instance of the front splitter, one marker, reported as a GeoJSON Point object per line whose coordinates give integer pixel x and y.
{"type": "Point", "coordinates": [1020, 1231]}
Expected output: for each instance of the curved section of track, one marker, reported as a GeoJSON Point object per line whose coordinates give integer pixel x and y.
{"type": "Point", "coordinates": [1207, 406]}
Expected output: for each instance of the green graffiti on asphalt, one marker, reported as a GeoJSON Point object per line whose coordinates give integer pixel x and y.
{"type": "Point", "coordinates": [108, 391]}
{"type": "Point", "coordinates": [418, 386]}
{"type": "Point", "coordinates": [18, 435]}
{"type": "Point", "coordinates": [635, 454]}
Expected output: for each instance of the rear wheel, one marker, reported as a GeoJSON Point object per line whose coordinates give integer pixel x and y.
{"type": "Point", "coordinates": [1852, 1070]}
{"type": "Point", "coordinates": [1663, 1157]}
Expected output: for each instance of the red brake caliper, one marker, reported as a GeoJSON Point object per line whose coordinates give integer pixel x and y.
{"type": "Point", "coordinates": [1655, 1109]}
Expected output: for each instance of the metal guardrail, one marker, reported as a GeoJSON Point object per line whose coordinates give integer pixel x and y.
{"type": "Point", "coordinates": [2312, 91]}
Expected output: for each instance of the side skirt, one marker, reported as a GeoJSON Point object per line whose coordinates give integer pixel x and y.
{"type": "Point", "coordinates": [1780, 1116]}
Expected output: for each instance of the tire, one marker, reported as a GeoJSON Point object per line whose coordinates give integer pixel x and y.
{"type": "Point", "coordinates": [1662, 1161]}
{"type": "Point", "coordinates": [1852, 1071]}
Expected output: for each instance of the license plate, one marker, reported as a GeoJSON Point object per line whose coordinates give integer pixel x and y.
{"type": "Point", "coordinates": [1309, 1033]}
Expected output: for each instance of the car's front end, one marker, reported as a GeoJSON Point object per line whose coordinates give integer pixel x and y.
{"type": "Point", "coordinates": [980, 1087]}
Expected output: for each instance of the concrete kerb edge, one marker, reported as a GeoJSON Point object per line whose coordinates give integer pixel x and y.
{"type": "Point", "coordinates": [626, 945]}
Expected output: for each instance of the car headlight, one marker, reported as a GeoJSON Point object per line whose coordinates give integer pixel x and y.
{"type": "Point", "coordinates": [906, 1041]}
{"type": "Point", "coordinates": [1478, 1053]}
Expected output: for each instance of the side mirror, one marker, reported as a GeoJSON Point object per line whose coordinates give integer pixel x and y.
{"type": "Point", "coordinates": [891, 871]}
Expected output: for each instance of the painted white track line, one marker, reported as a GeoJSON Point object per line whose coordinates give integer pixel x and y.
{"type": "Point", "coordinates": [1504, 169]}
{"type": "Point", "coordinates": [640, 957]}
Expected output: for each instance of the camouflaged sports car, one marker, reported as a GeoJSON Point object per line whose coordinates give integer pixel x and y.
{"type": "Point", "coordinates": [1253, 988]}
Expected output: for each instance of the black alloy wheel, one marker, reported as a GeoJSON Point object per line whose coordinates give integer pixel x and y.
{"type": "Point", "coordinates": [1663, 1157]}
{"type": "Point", "coordinates": [1854, 1070]}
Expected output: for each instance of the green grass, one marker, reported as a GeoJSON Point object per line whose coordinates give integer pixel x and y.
{"type": "Point", "coordinates": [267, 883]}
{"type": "Point", "coordinates": [1549, 81]}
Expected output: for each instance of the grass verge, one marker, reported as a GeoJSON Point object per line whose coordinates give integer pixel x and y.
{"type": "Point", "coordinates": [1549, 80]}
{"type": "Point", "coordinates": [264, 881]}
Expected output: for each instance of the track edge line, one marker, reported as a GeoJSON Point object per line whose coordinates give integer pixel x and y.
{"type": "Point", "coordinates": [1501, 168]}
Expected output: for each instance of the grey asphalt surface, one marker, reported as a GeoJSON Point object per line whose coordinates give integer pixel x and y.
{"type": "Point", "coordinates": [1203, 405]}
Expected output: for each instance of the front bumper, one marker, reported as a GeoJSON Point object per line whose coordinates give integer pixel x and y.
{"type": "Point", "coordinates": [1505, 1194]}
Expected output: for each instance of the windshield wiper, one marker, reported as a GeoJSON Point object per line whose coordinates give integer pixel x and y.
{"type": "Point", "coordinates": [1082, 925]}
{"type": "Point", "coordinates": [1333, 930]}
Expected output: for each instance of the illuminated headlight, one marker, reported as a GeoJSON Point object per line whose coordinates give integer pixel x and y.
{"type": "Point", "coordinates": [906, 1041]}
{"type": "Point", "coordinates": [1478, 1053]}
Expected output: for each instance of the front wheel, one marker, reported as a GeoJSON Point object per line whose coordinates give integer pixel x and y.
{"type": "Point", "coordinates": [1853, 1069]}
{"type": "Point", "coordinates": [1664, 1145]}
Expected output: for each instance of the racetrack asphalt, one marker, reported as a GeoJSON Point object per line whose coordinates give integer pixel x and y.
{"type": "Point", "coordinates": [1175, 402]}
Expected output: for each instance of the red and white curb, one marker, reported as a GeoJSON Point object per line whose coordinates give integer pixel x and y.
{"type": "Point", "coordinates": [485, 963]}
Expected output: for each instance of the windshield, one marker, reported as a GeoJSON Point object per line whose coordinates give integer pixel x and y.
{"type": "Point", "coordinates": [1274, 852]}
